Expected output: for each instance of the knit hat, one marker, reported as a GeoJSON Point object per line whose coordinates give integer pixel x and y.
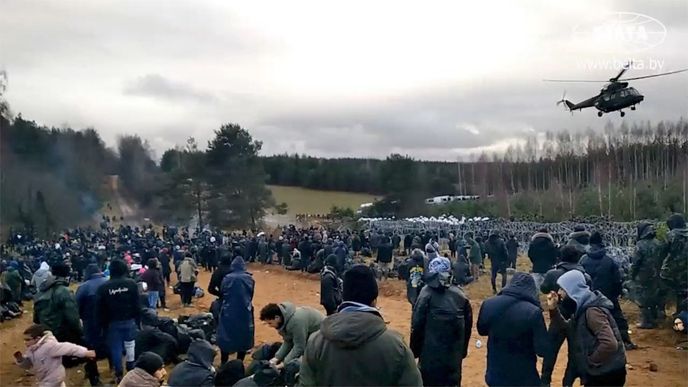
{"type": "Point", "coordinates": [360, 285]}
{"type": "Point", "coordinates": [60, 270]}
{"type": "Point", "coordinates": [149, 362]}
{"type": "Point", "coordinates": [439, 265]}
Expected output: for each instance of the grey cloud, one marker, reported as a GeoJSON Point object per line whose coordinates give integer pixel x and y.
{"type": "Point", "coordinates": [157, 86]}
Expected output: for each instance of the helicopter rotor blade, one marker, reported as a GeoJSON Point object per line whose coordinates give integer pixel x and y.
{"type": "Point", "coordinates": [573, 80]}
{"type": "Point", "coordinates": [655, 75]}
{"type": "Point", "coordinates": [623, 70]}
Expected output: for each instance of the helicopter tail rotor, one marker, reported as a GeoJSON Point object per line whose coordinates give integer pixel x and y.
{"type": "Point", "coordinates": [568, 104]}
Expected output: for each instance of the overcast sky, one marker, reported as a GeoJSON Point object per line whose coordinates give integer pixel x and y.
{"type": "Point", "coordinates": [435, 80]}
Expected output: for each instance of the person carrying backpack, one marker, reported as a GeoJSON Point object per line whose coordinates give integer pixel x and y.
{"type": "Point", "coordinates": [330, 286]}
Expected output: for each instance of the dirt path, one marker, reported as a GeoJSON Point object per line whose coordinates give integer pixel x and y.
{"type": "Point", "coordinates": [273, 284]}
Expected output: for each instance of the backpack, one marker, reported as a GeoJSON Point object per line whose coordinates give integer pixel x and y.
{"type": "Point", "coordinates": [339, 290]}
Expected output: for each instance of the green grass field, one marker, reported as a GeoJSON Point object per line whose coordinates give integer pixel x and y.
{"type": "Point", "coordinates": [308, 201]}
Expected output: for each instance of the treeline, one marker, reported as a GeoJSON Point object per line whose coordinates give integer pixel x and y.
{"type": "Point", "coordinates": [50, 178]}
{"type": "Point", "coordinates": [626, 172]}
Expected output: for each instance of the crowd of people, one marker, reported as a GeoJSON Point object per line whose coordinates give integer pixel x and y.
{"type": "Point", "coordinates": [126, 273]}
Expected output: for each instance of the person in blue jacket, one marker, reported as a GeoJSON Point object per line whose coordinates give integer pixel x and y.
{"type": "Point", "coordinates": [236, 328]}
{"type": "Point", "coordinates": [86, 301]}
{"type": "Point", "coordinates": [516, 331]}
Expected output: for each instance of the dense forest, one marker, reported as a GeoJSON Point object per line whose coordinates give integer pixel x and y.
{"type": "Point", "coordinates": [55, 178]}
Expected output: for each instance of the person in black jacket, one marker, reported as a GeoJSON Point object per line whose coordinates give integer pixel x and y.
{"type": "Point", "coordinates": [408, 240]}
{"type": "Point", "coordinates": [330, 286]}
{"type": "Point", "coordinates": [569, 261]}
{"type": "Point", "coordinates": [119, 312]}
{"type": "Point", "coordinates": [543, 254]}
{"type": "Point", "coordinates": [515, 327]}
{"type": "Point", "coordinates": [441, 327]}
{"type": "Point", "coordinates": [197, 369]}
{"type": "Point", "coordinates": [496, 249]}
{"type": "Point", "coordinates": [384, 256]}
{"type": "Point", "coordinates": [512, 249]}
{"type": "Point", "coordinates": [218, 275]}
{"type": "Point", "coordinates": [607, 279]}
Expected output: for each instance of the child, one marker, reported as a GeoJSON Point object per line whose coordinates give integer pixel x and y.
{"type": "Point", "coordinates": [44, 355]}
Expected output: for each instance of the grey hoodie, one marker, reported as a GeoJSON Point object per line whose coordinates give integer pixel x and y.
{"type": "Point", "coordinates": [197, 369]}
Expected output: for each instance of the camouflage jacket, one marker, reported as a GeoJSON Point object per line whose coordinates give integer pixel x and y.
{"type": "Point", "coordinates": [675, 266]}
{"type": "Point", "coordinates": [647, 260]}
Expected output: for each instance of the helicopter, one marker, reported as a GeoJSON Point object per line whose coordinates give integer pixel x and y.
{"type": "Point", "coordinates": [615, 95]}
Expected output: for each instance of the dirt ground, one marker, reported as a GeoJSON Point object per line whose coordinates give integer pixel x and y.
{"type": "Point", "coordinates": [273, 284]}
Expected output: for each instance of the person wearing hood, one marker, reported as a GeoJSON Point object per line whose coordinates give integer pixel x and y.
{"type": "Point", "coordinates": [580, 240]}
{"type": "Point", "coordinates": [13, 280]}
{"type": "Point", "coordinates": [44, 355]}
{"type": "Point", "coordinates": [475, 255]}
{"type": "Point", "coordinates": [496, 249]}
{"type": "Point", "coordinates": [543, 254]}
{"type": "Point", "coordinates": [354, 346]}
{"type": "Point", "coordinates": [330, 286]}
{"type": "Point", "coordinates": [197, 369]}
{"type": "Point", "coordinates": [674, 270]}
{"type": "Point", "coordinates": [606, 277]}
{"type": "Point", "coordinates": [515, 327]}
{"type": "Point", "coordinates": [595, 344]}
{"type": "Point", "coordinates": [86, 301]}
{"type": "Point", "coordinates": [56, 308]}
{"type": "Point", "coordinates": [149, 371]}
{"type": "Point", "coordinates": [432, 250]}
{"type": "Point", "coordinates": [294, 324]}
{"type": "Point", "coordinates": [441, 327]}
{"type": "Point", "coordinates": [342, 253]}
{"type": "Point", "coordinates": [41, 275]}
{"type": "Point", "coordinates": [647, 262]}
{"type": "Point", "coordinates": [236, 328]}
{"type": "Point", "coordinates": [569, 261]}
{"type": "Point", "coordinates": [416, 270]}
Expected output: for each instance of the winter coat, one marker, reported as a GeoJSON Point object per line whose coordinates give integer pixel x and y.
{"type": "Point", "coordinates": [299, 323]}
{"type": "Point", "coordinates": [153, 278]}
{"type": "Point", "coordinates": [187, 270]}
{"type": "Point", "coordinates": [355, 348]}
{"type": "Point", "coordinates": [549, 284]}
{"type": "Point", "coordinates": [441, 329]}
{"type": "Point", "coordinates": [512, 248]}
{"type": "Point", "coordinates": [45, 359]}
{"type": "Point", "coordinates": [139, 378]}
{"type": "Point", "coordinates": [154, 340]}
{"type": "Point", "coordinates": [516, 332]}
{"type": "Point", "coordinates": [41, 275]}
{"type": "Point", "coordinates": [605, 273]}
{"type": "Point", "coordinates": [461, 270]}
{"type": "Point", "coordinates": [236, 328]}
{"type": "Point", "coordinates": [197, 369]}
{"type": "Point", "coordinates": [56, 308]}
{"type": "Point", "coordinates": [385, 252]}
{"type": "Point", "coordinates": [414, 283]}
{"type": "Point", "coordinates": [542, 252]}
{"type": "Point", "coordinates": [215, 284]}
{"type": "Point", "coordinates": [86, 301]}
{"type": "Point", "coordinates": [14, 281]}
{"type": "Point", "coordinates": [595, 344]}
{"type": "Point", "coordinates": [330, 289]}
{"type": "Point", "coordinates": [675, 266]}
{"type": "Point", "coordinates": [496, 249]}
{"type": "Point", "coordinates": [648, 257]}
{"type": "Point", "coordinates": [475, 255]}
{"type": "Point", "coordinates": [342, 254]}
